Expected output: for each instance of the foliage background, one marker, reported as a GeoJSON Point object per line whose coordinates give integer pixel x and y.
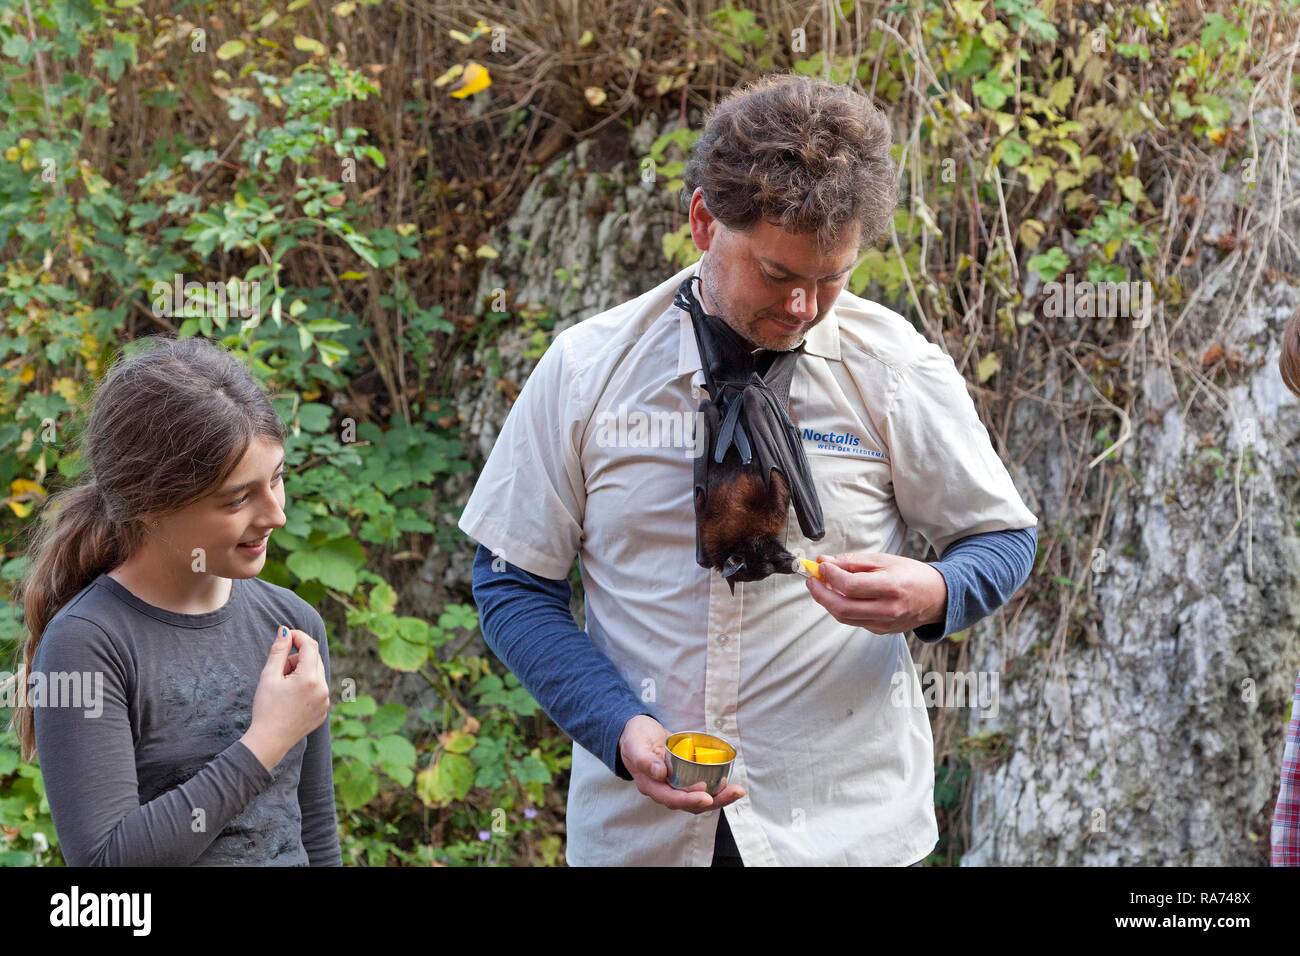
{"type": "Point", "coordinates": [357, 160]}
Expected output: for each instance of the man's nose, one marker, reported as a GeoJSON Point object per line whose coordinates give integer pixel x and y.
{"type": "Point", "coordinates": [801, 306]}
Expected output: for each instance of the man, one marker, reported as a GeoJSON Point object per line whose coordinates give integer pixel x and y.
{"type": "Point", "coordinates": [812, 682]}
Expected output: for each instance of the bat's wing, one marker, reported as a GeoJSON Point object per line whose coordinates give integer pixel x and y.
{"type": "Point", "coordinates": [707, 423]}
{"type": "Point", "coordinates": [776, 445]}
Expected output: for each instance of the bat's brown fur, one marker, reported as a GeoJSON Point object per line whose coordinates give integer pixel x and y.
{"type": "Point", "coordinates": [739, 512]}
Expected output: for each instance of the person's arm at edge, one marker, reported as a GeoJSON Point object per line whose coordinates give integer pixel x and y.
{"type": "Point", "coordinates": [982, 572]}
{"type": "Point", "coordinates": [1284, 834]}
{"type": "Point", "coordinates": [527, 623]}
{"type": "Point", "coordinates": [320, 827]}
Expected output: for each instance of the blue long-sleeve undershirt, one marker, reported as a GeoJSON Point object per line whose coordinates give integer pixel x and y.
{"type": "Point", "coordinates": [527, 623]}
{"type": "Point", "coordinates": [982, 571]}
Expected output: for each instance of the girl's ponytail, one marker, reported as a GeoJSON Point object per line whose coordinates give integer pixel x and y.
{"type": "Point", "coordinates": [73, 543]}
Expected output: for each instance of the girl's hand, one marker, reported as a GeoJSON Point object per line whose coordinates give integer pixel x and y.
{"type": "Point", "coordinates": [292, 698]}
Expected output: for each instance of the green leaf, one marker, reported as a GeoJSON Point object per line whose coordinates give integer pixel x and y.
{"type": "Point", "coordinates": [401, 654]}
{"type": "Point", "coordinates": [1049, 264]}
{"type": "Point", "coordinates": [389, 719]}
{"type": "Point", "coordinates": [460, 742]}
{"type": "Point", "coordinates": [993, 91]}
{"type": "Point", "coordinates": [315, 417]}
{"type": "Point", "coordinates": [355, 783]}
{"type": "Point", "coordinates": [1015, 152]}
{"type": "Point", "coordinates": [383, 598]}
{"type": "Point", "coordinates": [334, 563]}
{"type": "Point", "coordinates": [363, 706]}
{"type": "Point", "coordinates": [455, 775]}
{"type": "Point", "coordinates": [396, 751]}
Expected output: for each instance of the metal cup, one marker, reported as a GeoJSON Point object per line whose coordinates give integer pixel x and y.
{"type": "Point", "coordinates": [683, 774]}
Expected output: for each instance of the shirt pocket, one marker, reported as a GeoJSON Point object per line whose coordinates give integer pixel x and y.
{"type": "Point", "coordinates": [858, 508]}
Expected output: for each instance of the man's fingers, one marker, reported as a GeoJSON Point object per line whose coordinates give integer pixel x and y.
{"type": "Point", "coordinates": [646, 758]}
{"type": "Point", "coordinates": [863, 584]}
{"type": "Point", "coordinates": [728, 796]}
{"type": "Point", "coordinates": [674, 799]}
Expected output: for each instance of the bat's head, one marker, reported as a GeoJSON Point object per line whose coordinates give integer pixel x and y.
{"type": "Point", "coordinates": [758, 558]}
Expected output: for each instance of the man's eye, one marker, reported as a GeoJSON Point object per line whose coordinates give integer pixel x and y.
{"type": "Point", "coordinates": [772, 278]}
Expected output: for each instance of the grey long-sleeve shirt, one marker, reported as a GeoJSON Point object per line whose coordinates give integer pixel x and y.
{"type": "Point", "coordinates": [138, 714]}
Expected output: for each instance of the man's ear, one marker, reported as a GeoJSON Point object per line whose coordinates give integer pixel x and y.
{"type": "Point", "coordinates": [704, 226]}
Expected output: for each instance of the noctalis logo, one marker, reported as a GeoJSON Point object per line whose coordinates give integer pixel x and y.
{"type": "Point", "coordinates": [102, 909]}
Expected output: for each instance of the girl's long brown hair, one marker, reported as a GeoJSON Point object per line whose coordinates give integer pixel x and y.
{"type": "Point", "coordinates": [167, 426]}
{"type": "Point", "coordinates": [1289, 364]}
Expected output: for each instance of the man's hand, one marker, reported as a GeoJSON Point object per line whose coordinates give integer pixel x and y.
{"type": "Point", "coordinates": [645, 756]}
{"type": "Point", "coordinates": [885, 593]}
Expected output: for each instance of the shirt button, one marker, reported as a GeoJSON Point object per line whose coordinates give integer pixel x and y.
{"type": "Point", "coordinates": [719, 723]}
{"type": "Point", "coordinates": [723, 638]}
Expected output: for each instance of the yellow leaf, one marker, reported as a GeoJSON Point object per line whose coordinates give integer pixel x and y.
{"type": "Point", "coordinates": [21, 486]}
{"type": "Point", "coordinates": [971, 12]}
{"type": "Point", "coordinates": [586, 38]}
{"type": "Point", "coordinates": [476, 78]}
{"type": "Point", "coordinates": [353, 276]}
{"type": "Point", "coordinates": [1031, 233]}
{"type": "Point", "coordinates": [67, 388]}
{"type": "Point", "coordinates": [344, 9]}
{"type": "Point", "coordinates": [988, 367]}
{"type": "Point", "coordinates": [595, 95]}
{"type": "Point", "coordinates": [308, 45]}
{"type": "Point", "coordinates": [230, 49]}
{"type": "Point", "coordinates": [450, 75]}
{"type": "Point", "coordinates": [486, 252]}
{"type": "Point", "coordinates": [1006, 122]}
{"type": "Point", "coordinates": [458, 36]}
{"type": "Point", "coordinates": [1061, 93]}
{"type": "Point", "coordinates": [1131, 187]}
{"type": "Point", "coordinates": [27, 374]}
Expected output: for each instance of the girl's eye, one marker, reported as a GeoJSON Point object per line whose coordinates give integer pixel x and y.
{"type": "Point", "coordinates": [236, 504]}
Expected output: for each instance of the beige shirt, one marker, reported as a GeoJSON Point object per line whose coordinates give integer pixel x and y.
{"type": "Point", "coordinates": [835, 771]}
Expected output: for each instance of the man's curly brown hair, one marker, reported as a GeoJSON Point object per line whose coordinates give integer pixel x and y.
{"type": "Point", "coordinates": [800, 153]}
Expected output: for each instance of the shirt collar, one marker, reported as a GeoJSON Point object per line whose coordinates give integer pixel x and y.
{"type": "Point", "coordinates": [823, 340]}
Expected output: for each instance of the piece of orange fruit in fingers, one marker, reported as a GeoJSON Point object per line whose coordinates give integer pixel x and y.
{"type": "Point", "coordinates": [813, 568]}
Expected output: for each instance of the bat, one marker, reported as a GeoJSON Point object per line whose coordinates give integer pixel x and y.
{"type": "Point", "coordinates": [752, 465]}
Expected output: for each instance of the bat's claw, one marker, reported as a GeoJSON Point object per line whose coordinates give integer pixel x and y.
{"type": "Point", "coordinates": [730, 569]}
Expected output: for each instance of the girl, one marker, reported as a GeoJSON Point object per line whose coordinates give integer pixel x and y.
{"type": "Point", "coordinates": [1285, 833]}
{"type": "Point", "coordinates": [173, 725]}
